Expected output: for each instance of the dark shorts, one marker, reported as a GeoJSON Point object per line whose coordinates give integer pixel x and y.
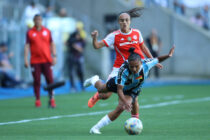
{"type": "Point", "coordinates": [112, 86]}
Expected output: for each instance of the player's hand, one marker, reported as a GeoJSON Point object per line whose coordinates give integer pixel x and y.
{"type": "Point", "coordinates": [171, 52]}
{"type": "Point", "coordinates": [26, 64]}
{"type": "Point", "coordinates": [54, 60]}
{"type": "Point", "coordinates": [94, 34]}
{"type": "Point", "coordinates": [127, 106]}
{"type": "Point", "coordinates": [160, 66]}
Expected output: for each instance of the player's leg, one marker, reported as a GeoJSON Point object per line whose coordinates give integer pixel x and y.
{"type": "Point", "coordinates": [107, 119]}
{"type": "Point", "coordinates": [135, 108]}
{"type": "Point", "coordinates": [80, 73]}
{"type": "Point", "coordinates": [105, 96]}
{"type": "Point", "coordinates": [113, 73]}
{"type": "Point", "coordinates": [101, 87]}
{"type": "Point", "coordinates": [97, 83]}
{"type": "Point", "coordinates": [96, 97]}
{"type": "Point", "coordinates": [47, 71]}
{"type": "Point", "coordinates": [36, 73]}
{"type": "Point", "coordinates": [120, 108]}
{"type": "Point", "coordinates": [71, 74]}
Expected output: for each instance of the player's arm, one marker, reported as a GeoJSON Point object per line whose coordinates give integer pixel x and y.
{"type": "Point", "coordinates": [146, 51]}
{"type": "Point", "coordinates": [122, 97]}
{"type": "Point", "coordinates": [53, 52]}
{"type": "Point", "coordinates": [26, 51]}
{"type": "Point", "coordinates": [164, 57]}
{"type": "Point", "coordinates": [96, 44]}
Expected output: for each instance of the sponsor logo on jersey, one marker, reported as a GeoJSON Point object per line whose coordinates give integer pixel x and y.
{"type": "Point", "coordinates": [127, 43]}
{"type": "Point", "coordinates": [34, 34]}
{"type": "Point", "coordinates": [129, 38]}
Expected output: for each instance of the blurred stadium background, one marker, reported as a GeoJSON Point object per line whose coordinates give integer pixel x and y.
{"type": "Point", "coordinates": [192, 42]}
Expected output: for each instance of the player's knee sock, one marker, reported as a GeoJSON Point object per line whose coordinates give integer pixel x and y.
{"type": "Point", "coordinates": [135, 116]}
{"type": "Point", "coordinates": [103, 122]}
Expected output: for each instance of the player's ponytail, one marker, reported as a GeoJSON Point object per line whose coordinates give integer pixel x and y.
{"type": "Point", "coordinates": [135, 12]}
{"type": "Point", "coordinates": [133, 56]}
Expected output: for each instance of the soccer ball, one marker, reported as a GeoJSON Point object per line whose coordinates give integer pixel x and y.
{"type": "Point", "coordinates": [133, 126]}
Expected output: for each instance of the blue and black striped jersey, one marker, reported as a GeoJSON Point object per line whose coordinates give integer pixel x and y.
{"type": "Point", "coordinates": [133, 82]}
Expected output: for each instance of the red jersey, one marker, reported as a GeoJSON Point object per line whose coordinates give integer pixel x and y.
{"type": "Point", "coordinates": [122, 42]}
{"type": "Point", "coordinates": [39, 42]}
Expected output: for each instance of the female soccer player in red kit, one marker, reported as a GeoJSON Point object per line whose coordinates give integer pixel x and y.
{"type": "Point", "coordinates": [43, 55]}
{"type": "Point", "coordinates": [122, 40]}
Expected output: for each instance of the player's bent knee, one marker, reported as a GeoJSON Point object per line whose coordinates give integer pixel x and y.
{"type": "Point", "coordinates": [104, 96]}
{"type": "Point", "coordinates": [102, 89]}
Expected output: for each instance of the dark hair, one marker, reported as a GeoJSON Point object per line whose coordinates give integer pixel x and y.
{"type": "Point", "coordinates": [37, 15]}
{"type": "Point", "coordinates": [133, 56]}
{"type": "Point", "coordinates": [32, 3]}
{"type": "Point", "coordinates": [134, 12]}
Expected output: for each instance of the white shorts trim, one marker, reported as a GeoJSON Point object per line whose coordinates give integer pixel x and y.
{"type": "Point", "coordinates": [113, 73]}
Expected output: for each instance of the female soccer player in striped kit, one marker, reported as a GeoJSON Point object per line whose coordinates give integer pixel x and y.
{"type": "Point", "coordinates": [127, 84]}
{"type": "Point", "coordinates": [122, 40]}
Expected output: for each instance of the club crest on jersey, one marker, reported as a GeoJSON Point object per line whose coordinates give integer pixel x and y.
{"type": "Point", "coordinates": [34, 34]}
{"type": "Point", "coordinates": [44, 33]}
{"type": "Point", "coordinates": [134, 37]}
{"type": "Point", "coordinates": [139, 78]}
{"type": "Point", "coordinates": [129, 38]}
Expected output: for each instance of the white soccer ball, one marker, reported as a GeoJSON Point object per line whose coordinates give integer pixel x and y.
{"type": "Point", "coordinates": [133, 126]}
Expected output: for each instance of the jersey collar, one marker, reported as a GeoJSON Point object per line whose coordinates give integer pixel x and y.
{"type": "Point", "coordinates": [37, 30]}
{"type": "Point", "coordinates": [126, 33]}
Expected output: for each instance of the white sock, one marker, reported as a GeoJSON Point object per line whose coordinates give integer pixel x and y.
{"type": "Point", "coordinates": [103, 122]}
{"type": "Point", "coordinates": [94, 80]}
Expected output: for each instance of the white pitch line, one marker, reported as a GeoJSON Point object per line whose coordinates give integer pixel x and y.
{"type": "Point", "coordinates": [106, 111]}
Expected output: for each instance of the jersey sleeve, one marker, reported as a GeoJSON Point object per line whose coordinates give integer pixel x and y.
{"type": "Point", "coordinates": [109, 40]}
{"type": "Point", "coordinates": [151, 62]}
{"type": "Point", "coordinates": [122, 76]}
{"type": "Point", "coordinates": [141, 40]}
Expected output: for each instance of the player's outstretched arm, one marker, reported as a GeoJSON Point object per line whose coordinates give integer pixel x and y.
{"type": "Point", "coordinates": [146, 51]}
{"type": "Point", "coordinates": [96, 44]}
{"type": "Point", "coordinates": [170, 54]}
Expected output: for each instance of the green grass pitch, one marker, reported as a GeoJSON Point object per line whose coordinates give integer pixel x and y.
{"type": "Point", "coordinates": [167, 113]}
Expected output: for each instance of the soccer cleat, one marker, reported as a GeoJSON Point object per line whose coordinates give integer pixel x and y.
{"type": "Point", "coordinates": [94, 131]}
{"type": "Point", "coordinates": [37, 103]}
{"type": "Point", "coordinates": [52, 103]}
{"type": "Point", "coordinates": [89, 81]}
{"type": "Point", "coordinates": [92, 101]}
